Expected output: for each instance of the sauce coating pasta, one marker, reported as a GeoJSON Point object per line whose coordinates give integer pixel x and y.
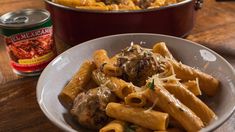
{"type": "Point", "coordinates": [150, 91]}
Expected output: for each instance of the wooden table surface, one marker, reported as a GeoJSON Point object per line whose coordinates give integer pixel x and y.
{"type": "Point", "coordinates": [19, 111]}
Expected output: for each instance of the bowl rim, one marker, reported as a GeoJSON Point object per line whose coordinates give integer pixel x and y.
{"type": "Point", "coordinates": [39, 90]}
{"type": "Point", "coordinates": [116, 12]}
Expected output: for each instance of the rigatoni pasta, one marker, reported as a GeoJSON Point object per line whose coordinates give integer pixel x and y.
{"type": "Point", "coordinates": [76, 84]}
{"type": "Point", "coordinates": [136, 99]}
{"type": "Point", "coordinates": [114, 126]}
{"type": "Point", "coordinates": [193, 86]}
{"type": "Point", "coordinates": [147, 118]}
{"type": "Point", "coordinates": [139, 90]}
{"type": "Point", "coordinates": [208, 84]}
{"type": "Point", "coordinates": [118, 86]}
{"type": "Point", "coordinates": [192, 102]}
{"type": "Point", "coordinates": [168, 103]}
{"type": "Point", "coordinates": [103, 62]}
{"type": "Point", "coordinates": [161, 49]}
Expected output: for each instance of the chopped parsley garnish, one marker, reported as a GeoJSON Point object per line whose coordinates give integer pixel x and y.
{"type": "Point", "coordinates": [151, 85]}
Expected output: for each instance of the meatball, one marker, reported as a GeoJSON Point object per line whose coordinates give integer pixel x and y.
{"type": "Point", "coordinates": [138, 64]}
{"type": "Point", "coordinates": [89, 107]}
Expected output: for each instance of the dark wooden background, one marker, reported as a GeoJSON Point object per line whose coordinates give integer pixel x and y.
{"type": "Point", "coordinates": [19, 111]}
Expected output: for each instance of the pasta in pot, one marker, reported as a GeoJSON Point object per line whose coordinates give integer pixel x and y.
{"type": "Point", "coordinates": [138, 90]}
{"type": "Point", "coordinates": [116, 4]}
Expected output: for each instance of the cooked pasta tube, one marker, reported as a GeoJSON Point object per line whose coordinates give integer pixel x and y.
{"type": "Point", "coordinates": [126, 7]}
{"type": "Point", "coordinates": [102, 61]}
{"type": "Point", "coordinates": [191, 101]}
{"type": "Point", "coordinates": [208, 84]}
{"type": "Point", "coordinates": [162, 49]}
{"type": "Point", "coordinates": [158, 3]}
{"type": "Point", "coordinates": [114, 126]}
{"type": "Point", "coordinates": [93, 7]}
{"type": "Point", "coordinates": [111, 70]}
{"type": "Point", "coordinates": [122, 88]}
{"type": "Point", "coordinates": [193, 86]}
{"type": "Point", "coordinates": [168, 103]}
{"type": "Point", "coordinates": [135, 99]}
{"type": "Point", "coordinates": [118, 86]}
{"type": "Point", "coordinates": [170, 2]}
{"type": "Point", "coordinates": [114, 59]}
{"type": "Point", "coordinates": [146, 118]}
{"type": "Point", "coordinates": [74, 3]}
{"type": "Point", "coordinates": [168, 70]}
{"type": "Point", "coordinates": [113, 7]}
{"type": "Point", "coordinates": [100, 57]}
{"type": "Point", "coordinates": [76, 84]}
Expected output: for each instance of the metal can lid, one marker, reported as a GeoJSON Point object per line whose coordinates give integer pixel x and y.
{"type": "Point", "coordinates": [24, 18]}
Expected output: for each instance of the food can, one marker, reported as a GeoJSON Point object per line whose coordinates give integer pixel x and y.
{"type": "Point", "coordinates": [29, 40]}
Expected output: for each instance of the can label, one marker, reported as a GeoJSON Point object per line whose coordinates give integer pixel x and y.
{"type": "Point", "coordinates": [32, 49]}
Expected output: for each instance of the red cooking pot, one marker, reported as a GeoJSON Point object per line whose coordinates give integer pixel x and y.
{"type": "Point", "coordinates": [74, 26]}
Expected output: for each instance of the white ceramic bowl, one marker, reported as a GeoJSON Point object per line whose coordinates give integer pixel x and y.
{"type": "Point", "coordinates": [61, 69]}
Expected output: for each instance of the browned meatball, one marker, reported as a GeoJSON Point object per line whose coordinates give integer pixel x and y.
{"type": "Point", "coordinates": [89, 107]}
{"type": "Point", "coordinates": [138, 64]}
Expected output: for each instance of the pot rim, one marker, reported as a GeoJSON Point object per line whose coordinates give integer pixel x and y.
{"type": "Point", "coordinates": [116, 12]}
